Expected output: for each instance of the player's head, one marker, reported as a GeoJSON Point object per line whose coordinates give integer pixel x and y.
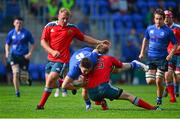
{"type": "Point", "coordinates": [85, 66]}
{"type": "Point", "coordinates": [159, 17]}
{"type": "Point", "coordinates": [102, 48]}
{"type": "Point", "coordinates": [168, 17]}
{"type": "Point", "coordinates": [18, 23]}
{"type": "Point", "coordinates": [63, 16]}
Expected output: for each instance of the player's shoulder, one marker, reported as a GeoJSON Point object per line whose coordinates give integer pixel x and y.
{"type": "Point", "coordinates": [26, 30]}
{"type": "Point", "coordinates": [176, 26]}
{"type": "Point", "coordinates": [11, 31]}
{"type": "Point", "coordinates": [87, 49]}
{"type": "Point", "coordinates": [70, 25]}
{"type": "Point", "coordinates": [107, 57]}
{"type": "Point", "coordinates": [150, 27]}
{"type": "Point", "coordinates": [52, 23]}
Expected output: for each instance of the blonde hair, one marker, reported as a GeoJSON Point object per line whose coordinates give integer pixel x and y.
{"type": "Point", "coordinates": [66, 11]}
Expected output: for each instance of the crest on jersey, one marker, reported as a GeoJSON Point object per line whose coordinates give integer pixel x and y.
{"type": "Point", "coordinates": [151, 31]}
{"type": "Point", "coordinates": [13, 37]}
{"type": "Point", "coordinates": [69, 32]}
{"type": "Point", "coordinates": [52, 30]}
{"type": "Point", "coordinates": [162, 34]}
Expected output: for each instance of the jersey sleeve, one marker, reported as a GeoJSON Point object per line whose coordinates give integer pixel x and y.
{"type": "Point", "coordinates": [172, 37]}
{"type": "Point", "coordinates": [30, 37]}
{"type": "Point", "coordinates": [45, 34]}
{"type": "Point", "coordinates": [8, 38]}
{"type": "Point", "coordinates": [146, 34]}
{"type": "Point", "coordinates": [79, 35]}
{"type": "Point", "coordinates": [177, 34]}
{"type": "Point", "coordinates": [116, 62]}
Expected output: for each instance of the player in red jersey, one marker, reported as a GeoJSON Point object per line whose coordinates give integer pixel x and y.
{"type": "Point", "coordinates": [173, 73]}
{"type": "Point", "coordinates": [56, 39]}
{"type": "Point", "coordinates": [99, 87]}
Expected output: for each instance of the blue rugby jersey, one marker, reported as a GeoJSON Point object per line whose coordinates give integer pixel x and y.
{"type": "Point", "coordinates": [19, 41]}
{"type": "Point", "coordinates": [74, 70]}
{"type": "Point", "coordinates": [159, 40]}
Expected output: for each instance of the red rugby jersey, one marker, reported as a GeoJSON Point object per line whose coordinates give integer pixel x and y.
{"type": "Point", "coordinates": [176, 30]}
{"type": "Point", "coordinates": [101, 73]}
{"type": "Point", "coordinates": [59, 38]}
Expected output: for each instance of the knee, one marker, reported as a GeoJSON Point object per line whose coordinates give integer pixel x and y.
{"type": "Point", "coordinates": [150, 81]}
{"type": "Point", "coordinates": [150, 78]}
{"type": "Point", "coordinates": [168, 76]}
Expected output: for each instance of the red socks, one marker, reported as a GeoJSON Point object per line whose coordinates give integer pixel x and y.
{"type": "Point", "coordinates": [170, 89]}
{"type": "Point", "coordinates": [46, 94]}
{"type": "Point", "coordinates": [143, 104]}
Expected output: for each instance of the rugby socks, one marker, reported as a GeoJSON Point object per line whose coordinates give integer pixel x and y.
{"type": "Point", "coordinates": [133, 65]}
{"type": "Point", "coordinates": [17, 94]}
{"type": "Point", "coordinates": [87, 101]}
{"type": "Point", "coordinates": [88, 104]}
{"type": "Point", "coordinates": [170, 89]}
{"type": "Point", "coordinates": [140, 103]}
{"type": "Point", "coordinates": [176, 89]}
{"type": "Point", "coordinates": [47, 92]}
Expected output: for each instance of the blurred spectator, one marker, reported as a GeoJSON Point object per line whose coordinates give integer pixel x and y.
{"type": "Point", "coordinates": [67, 4]}
{"type": "Point", "coordinates": [161, 4]}
{"type": "Point", "coordinates": [36, 7]}
{"type": "Point", "coordinates": [83, 25]}
{"type": "Point", "coordinates": [118, 6]}
{"type": "Point", "coordinates": [130, 52]}
{"type": "Point", "coordinates": [52, 10]}
{"type": "Point", "coordinates": [149, 17]}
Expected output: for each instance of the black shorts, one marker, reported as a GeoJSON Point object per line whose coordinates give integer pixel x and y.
{"type": "Point", "coordinates": [21, 60]}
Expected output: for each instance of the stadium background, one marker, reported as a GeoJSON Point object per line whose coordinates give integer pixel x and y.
{"type": "Point", "coordinates": [121, 21]}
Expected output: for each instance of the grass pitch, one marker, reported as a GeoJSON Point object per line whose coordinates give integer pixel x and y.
{"type": "Point", "coordinates": [73, 106]}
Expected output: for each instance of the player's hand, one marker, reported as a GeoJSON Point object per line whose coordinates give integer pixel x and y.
{"type": "Point", "coordinates": [169, 57]}
{"type": "Point", "coordinates": [55, 54]}
{"type": "Point", "coordinates": [141, 56]}
{"type": "Point", "coordinates": [106, 42]}
{"type": "Point", "coordinates": [28, 56]}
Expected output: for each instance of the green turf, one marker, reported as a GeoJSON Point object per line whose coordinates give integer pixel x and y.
{"type": "Point", "coordinates": [73, 106]}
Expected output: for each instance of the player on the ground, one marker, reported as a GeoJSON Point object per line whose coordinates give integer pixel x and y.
{"type": "Point", "coordinates": [98, 85]}
{"type": "Point", "coordinates": [157, 37]}
{"type": "Point", "coordinates": [173, 73]}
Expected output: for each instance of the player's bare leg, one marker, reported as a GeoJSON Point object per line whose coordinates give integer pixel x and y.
{"type": "Point", "coordinates": [137, 101]}
{"type": "Point", "coordinates": [15, 70]}
{"type": "Point", "coordinates": [50, 83]}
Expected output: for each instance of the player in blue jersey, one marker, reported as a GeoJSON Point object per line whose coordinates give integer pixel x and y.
{"type": "Point", "coordinates": [17, 49]}
{"type": "Point", "coordinates": [75, 71]}
{"type": "Point", "coordinates": [157, 37]}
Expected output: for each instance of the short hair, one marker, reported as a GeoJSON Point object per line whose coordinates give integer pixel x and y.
{"type": "Point", "coordinates": [18, 18]}
{"type": "Point", "coordinates": [160, 12]}
{"type": "Point", "coordinates": [86, 63]}
{"type": "Point", "coordinates": [67, 11]}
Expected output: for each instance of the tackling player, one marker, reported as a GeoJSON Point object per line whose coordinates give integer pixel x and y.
{"type": "Point", "coordinates": [99, 87]}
